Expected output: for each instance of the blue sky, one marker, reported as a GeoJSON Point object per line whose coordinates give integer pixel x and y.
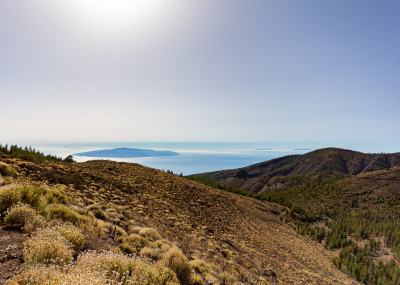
{"type": "Point", "coordinates": [200, 71]}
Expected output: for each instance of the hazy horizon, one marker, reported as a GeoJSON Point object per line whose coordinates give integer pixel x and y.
{"type": "Point", "coordinates": [213, 71]}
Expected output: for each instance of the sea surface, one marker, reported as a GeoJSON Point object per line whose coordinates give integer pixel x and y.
{"type": "Point", "coordinates": [202, 157]}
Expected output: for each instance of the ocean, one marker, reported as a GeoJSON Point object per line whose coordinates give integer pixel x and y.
{"type": "Point", "coordinates": [202, 157]}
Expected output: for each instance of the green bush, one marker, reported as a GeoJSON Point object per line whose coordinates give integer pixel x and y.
{"type": "Point", "coordinates": [28, 195]}
{"type": "Point", "coordinates": [62, 212]}
{"type": "Point", "coordinates": [19, 215]}
{"type": "Point", "coordinates": [57, 196]}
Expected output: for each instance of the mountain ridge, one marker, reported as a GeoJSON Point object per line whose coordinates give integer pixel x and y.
{"type": "Point", "coordinates": [255, 177]}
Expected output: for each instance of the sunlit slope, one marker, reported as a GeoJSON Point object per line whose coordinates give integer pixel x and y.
{"type": "Point", "coordinates": [213, 220]}
{"type": "Point", "coordinates": [241, 235]}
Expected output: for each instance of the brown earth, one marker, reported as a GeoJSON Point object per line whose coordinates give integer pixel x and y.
{"type": "Point", "coordinates": [11, 261]}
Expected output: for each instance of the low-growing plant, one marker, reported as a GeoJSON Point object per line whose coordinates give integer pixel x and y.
{"type": "Point", "coordinates": [97, 212]}
{"type": "Point", "coordinates": [72, 234]}
{"type": "Point", "coordinates": [227, 278]}
{"type": "Point", "coordinates": [57, 196]}
{"type": "Point", "coordinates": [62, 212]}
{"type": "Point", "coordinates": [127, 248]}
{"type": "Point", "coordinates": [152, 253]}
{"type": "Point", "coordinates": [196, 280]}
{"type": "Point", "coordinates": [200, 266]}
{"type": "Point", "coordinates": [19, 215]}
{"type": "Point", "coordinates": [30, 195]}
{"type": "Point", "coordinates": [6, 169]}
{"type": "Point", "coordinates": [178, 262]}
{"type": "Point", "coordinates": [38, 274]}
{"type": "Point", "coordinates": [47, 246]}
{"type": "Point", "coordinates": [125, 269]}
{"type": "Point", "coordinates": [134, 240]}
{"type": "Point", "coordinates": [45, 275]}
{"type": "Point", "coordinates": [8, 199]}
{"type": "Point", "coordinates": [38, 222]}
{"type": "Point", "coordinates": [150, 233]}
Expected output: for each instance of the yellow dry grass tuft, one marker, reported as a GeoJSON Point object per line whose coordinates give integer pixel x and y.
{"type": "Point", "coordinates": [150, 233]}
{"type": "Point", "coordinates": [178, 262]}
{"type": "Point", "coordinates": [200, 266]}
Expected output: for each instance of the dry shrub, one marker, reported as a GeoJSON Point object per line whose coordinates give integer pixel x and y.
{"type": "Point", "coordinates": [200, 266]}
{"type": "Point", "coordinates": [134, 229]}
{"type": "Point", "coordinates": [57, 196]}
{"type": "Point", "coordinates": [196, 280]}
{"type": "Point", "coordinates": [211, 279]}
{"type": "Point", "coordinates": [6, 169]}
{"type": "Point", "coordinates": [152, 253]}
{"type": "Point", "coordinates": [97, 212]}
{"type": "Point", "coordinates": [41, 275]}
{"type": "Point", "coordinates": [88, 225]}
{"type": "Point", "coordinates": [118, 231]}
{"type": "Point", "coordinates": [72, 234]}
{"type": "Point", "coordinates": [227, 278]}
{"type": "Point", "coordinates": [38, 222]}
{"type": "Point", "coordinates": [19, 215]}
{"type": "Point", "coordinates": [134, 240]}
{"type": "Point", "coordinates": [127, 248]}
{"type": "Point", "coordinates": [47, 246]}
{"type": "Point", "coordinates": [114, 249]}
{"type": "Point", "coordinates": [150, 233]}
{"type": "Point", "coordinates": [37, 275]}
{"type": "Point", "coordinates": [125, 269]}
{"type": "Point", "coordinates": [178, 262]}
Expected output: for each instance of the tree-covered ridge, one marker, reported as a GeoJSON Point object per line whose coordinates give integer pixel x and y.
{"type": "Point", "coordinates": [256, 177]}
{"type": "Point", "coordinates": [357, 215]}
{"type": "Point", "coordinates": [26, 153]}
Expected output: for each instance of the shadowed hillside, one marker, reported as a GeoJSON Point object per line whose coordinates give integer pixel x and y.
{"type": "Point", "coordinates": [255, 177]}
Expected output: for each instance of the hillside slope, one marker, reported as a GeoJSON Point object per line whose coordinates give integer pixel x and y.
{"type": "Point", "coordinates": [256, 177]}
{"type": "Point", "coordinates": [241, 235]}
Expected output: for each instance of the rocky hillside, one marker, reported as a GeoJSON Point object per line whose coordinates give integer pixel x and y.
{"type": "Point", "coordinates": [255, 177]}
{"type": "Point", "coordinates": [239, 239]}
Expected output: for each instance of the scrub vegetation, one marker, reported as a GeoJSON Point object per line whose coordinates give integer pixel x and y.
{"type": "Point", "coordinates": [104, 222]}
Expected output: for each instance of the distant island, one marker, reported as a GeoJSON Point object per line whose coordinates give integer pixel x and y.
{"type": "Point", "coordinates": [302, 149]}
{"type": "Point", "coordinates": [127, 153]}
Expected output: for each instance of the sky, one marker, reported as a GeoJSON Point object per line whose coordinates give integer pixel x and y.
{"type": "Point", "coordinates": [86, 71]}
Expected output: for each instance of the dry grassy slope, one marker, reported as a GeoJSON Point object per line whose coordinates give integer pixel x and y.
{"type": "Point", "coordinates": [251, 228]}
{"type": "Point", "coordinates": [255, 177]}
{"type": "Point", "coordinates": [204, 221]}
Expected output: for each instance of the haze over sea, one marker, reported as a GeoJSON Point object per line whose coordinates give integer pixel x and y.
{"type": "Point", "coordinates": [205, 157]}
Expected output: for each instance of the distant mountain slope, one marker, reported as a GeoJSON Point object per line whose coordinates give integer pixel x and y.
{"type": "Point", "coordinates": [127, 153]}
{"type": "Point", "coordinates": [255, 177]}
